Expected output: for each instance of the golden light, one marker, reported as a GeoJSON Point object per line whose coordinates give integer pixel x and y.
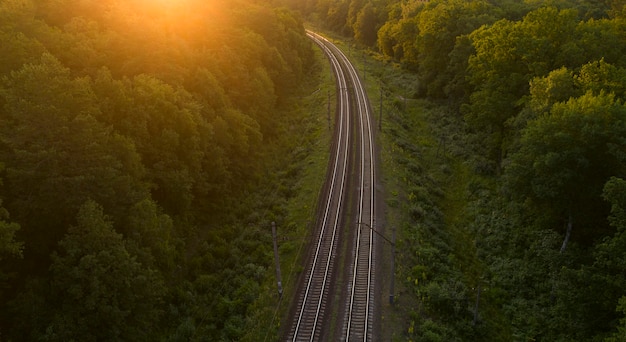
{"type": "Point", "coordinates": [179, 9]}
{"type": "Point", "coordinates": [154, 21]}
{"type": "Point", "coordinates": [164, 4]}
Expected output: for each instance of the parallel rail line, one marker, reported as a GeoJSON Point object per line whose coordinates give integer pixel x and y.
{"type": "Point", "coordinates": [359, 314]}
{"type": "Point", "coordinates": [312, 302]}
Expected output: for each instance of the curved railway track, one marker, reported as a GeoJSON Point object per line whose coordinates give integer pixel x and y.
{"type": "Point", "coordinates": [359, 314]}
{"type": "Point", "coordinates": [348, 203]}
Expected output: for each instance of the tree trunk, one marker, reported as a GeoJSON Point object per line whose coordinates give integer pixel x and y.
{"type": "Point", "coordinates": [568, 232]}
{"type": "Point", "coordinates": [476, 306]}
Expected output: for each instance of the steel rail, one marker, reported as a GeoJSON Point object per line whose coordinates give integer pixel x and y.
{"type": "Point", "coordinates": [359, 315]}
{"type": "Point", "coordinates": [308, 322]}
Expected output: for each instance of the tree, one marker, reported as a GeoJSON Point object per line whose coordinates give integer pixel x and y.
{"type": "Point", "coordinates": [337, 15]}
{"type": "Point", "coordinates": [610, 258]}
{"type": "Point", "coordinates": [621, 329]}
{"type": "Point", "coordinates": [9, 247]}
{"type": "Point", "coordinates": [566, 157]}
{"type": "Point", "coordinates": [508, 55]}
{"type": "Point", "coordinates": [17, 16]}
{"type": "Point", "coordinates": [98, 289]}
{"type": "Point", "coordinates": [615, 193]}
{"type": "Point", "coordinates": [353, 13]}
{"type": "Point", "coordinates": [397, 39]}
{"type": "Point", "coordinates": [53, 144]}
{"type": "Point", "coordinates": [441, 23]}
{"type": "Point", "coordinates": [562, 84]}
{"type": "Point", "coordinates": [587, 293]}
{"type": "Point", "coordinates": [601, 39]}
{"type": "Point", "coordinates": [164, 119]}
{"type": "Point", "coordinates": [366, 26]}
{"type": "Point", "coordinates": [16, 49]}
{"type": "Point", "coordinates": [150, 235]}
{"type": "Point", "coordinates": [597, 76]}
{"type": "Point", "coordinates": [557, 86]}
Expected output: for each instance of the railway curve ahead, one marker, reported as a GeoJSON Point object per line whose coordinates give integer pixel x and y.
{"type": "Point", "coordinates": [336, 296]}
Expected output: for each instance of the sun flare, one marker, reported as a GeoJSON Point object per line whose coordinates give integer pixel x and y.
{"type": "Point", "coordinates": [169, 2]}
{"type": "Point", "coordinates": [166, 4]}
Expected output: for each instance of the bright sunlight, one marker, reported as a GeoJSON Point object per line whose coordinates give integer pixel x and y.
{"type": "Point", "coordinates": [185, 17]}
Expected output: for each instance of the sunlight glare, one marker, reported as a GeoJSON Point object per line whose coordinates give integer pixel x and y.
{"type": "Point", "coordinates": [189, 19]}
{"type": "Point", "coordinates": [166, 4]}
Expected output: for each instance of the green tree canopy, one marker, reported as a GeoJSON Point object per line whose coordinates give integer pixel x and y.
{"type": "Point", "coordinates": [161, 112]}
{"type": "Point", "coordinates": [566, 156]}
{"type": "Point", "coordinates": [441, 25]}
{"type": "Point", "coordinates": [508, 55]}
{"type": "Point", "coordinates": [99, 290]}
{"type": "Point", "coordinates": [9, 247]}
{"type": "Point", "coordinates": [366, 26]}
{"type": "Point", "coordinates": [54, 144]}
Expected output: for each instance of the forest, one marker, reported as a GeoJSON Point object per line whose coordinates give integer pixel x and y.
{"type": "Point", "coordinates": [511, 194]}
{"type": "Point", "coordinates": [146, 145]}
{"type": "Point", "coordinates": [133, 136]}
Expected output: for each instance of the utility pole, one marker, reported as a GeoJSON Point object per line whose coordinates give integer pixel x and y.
{"type": "Point", "coordinates": [364, 66]}
{"type": "Point", "coordinates": [476, 306]}
{"type": "Point", "coordinates": [393, 263]}
{"type": "Point", "coordinates": [405, 95]}
{"type": "Point", "coordinates": [380, 121]}
{"type": "Point", "coordinates": [328, 111]}
{"type": "Point", "coordinates": [278, 276]}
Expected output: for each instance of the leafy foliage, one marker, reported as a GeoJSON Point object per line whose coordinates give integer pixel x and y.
{"type": "Point", "coordinates": [557, 162]}
{"type": "Point", "coordinates": [96, 282]}
{"type": "Point", "coordinates": [126, 128]}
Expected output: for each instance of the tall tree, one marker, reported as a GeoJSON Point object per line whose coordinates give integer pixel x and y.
{"type": "Point", "coordinates": [366, 26]}
{"type": "Point", "coordinates": [98, 289]}
{"type": "Point", "coordinates": [53, 144]}
{"type": "Point", "coordinates": [508, 55]}
{"type": "Point", "coordinates": [10, 248]}
{"type": "Point", "coordinates": [441, 24]}
{"type": "Point", "coordinates": [566, 157]}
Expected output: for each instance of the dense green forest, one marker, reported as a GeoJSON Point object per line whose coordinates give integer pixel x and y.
{"type": "Point", "coordinates": [135, 137]}
{"type": "Point", "coordinates": [509, 158]}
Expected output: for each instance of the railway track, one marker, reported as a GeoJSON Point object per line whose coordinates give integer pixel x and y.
{"type": "Point", "coordinates": [359, 314]}
{"type": "Point", "coordinates": [348, 203]}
